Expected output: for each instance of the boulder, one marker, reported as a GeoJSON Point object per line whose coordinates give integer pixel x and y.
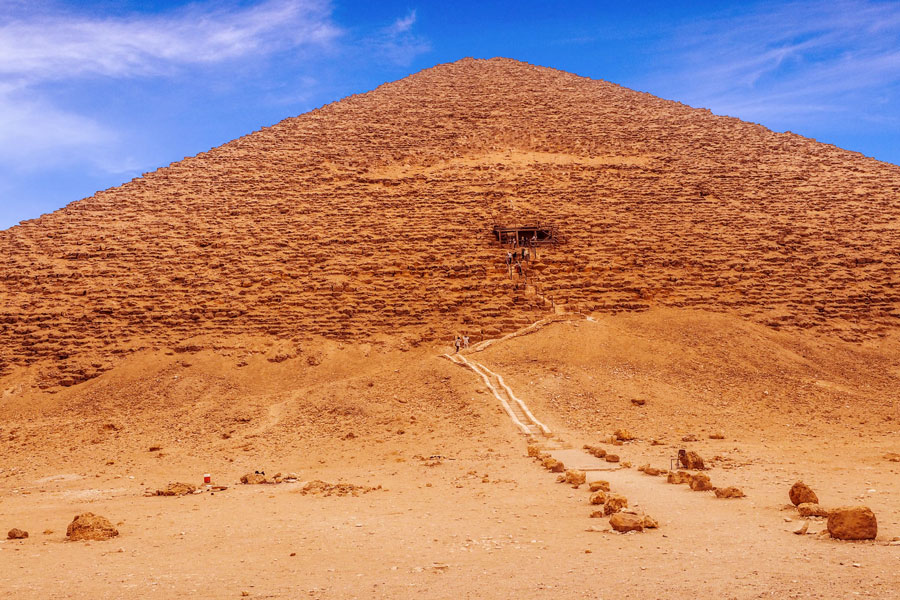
{"type": "Point", "coordinates": [801, 493]}
{"type": "Point", "coordinates": [612, 458]}
{"type": "Point", "coordinates": [625, 522]}
{"type": "Point", "coordinates": [729, 492]}
{"type": "Point", "coordinates": [615, 503]}
{"type": "Point", "coordinates": [690, 460]}
{"type": "Point", "coordinates": [598, 497]}
{"type": "Point", "coordinates": [650, 522]}
{"type": "Point", "coordinates": [650, 470]}
{"type": "Point", "coordinates": [16, 534]}
{"type": "Point", "coordinates": [534, 451]}
{"type": "Point", "coordinates": [177, 489]}
{"type": "Point", "coordinates": [701, 483]}
{"type": "Point", "coordinates": [808, 509]}
{"type": "Point", "coordinates": [623, 435]}
{"type": "Point", "coordinates": [597, 451]}
{"type": "Point", "coordinates": [88, 526]}
{"type": "Point", "coordinates": [678, 477]}
{"type": "Point", "coordinates": [852, 523]}
{"type": "Point", "coordinates": [553, 465]}
{"type": "Point", "coordinates": [599, 485]}
{"type": "Point", "coordinates": [254, 479]}
{"type": "Point", "coordinates": [575, 477]}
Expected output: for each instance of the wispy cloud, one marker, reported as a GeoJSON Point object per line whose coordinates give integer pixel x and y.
{"type": "Point", "coordinates": [397, 43]}
{"type": "Point", "coordinates": [42, 47]}
{"type": "Point", "coordinates": [782, 61]}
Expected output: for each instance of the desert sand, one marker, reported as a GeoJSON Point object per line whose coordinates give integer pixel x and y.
{"type": "Point", "coordinates": [286, 304]}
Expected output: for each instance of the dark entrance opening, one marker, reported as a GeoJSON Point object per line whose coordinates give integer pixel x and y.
{"type": "Point", "coordinates": [525, 235]}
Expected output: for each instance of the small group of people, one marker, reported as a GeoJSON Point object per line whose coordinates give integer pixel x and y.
{"type": "Point", "coordinates": [461, 342]}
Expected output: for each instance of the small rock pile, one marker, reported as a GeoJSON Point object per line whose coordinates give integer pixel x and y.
{"type": "Point", "coordinates": [88, 526]}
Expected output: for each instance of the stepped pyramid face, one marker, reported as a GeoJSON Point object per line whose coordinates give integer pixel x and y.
{"type": "Point", "coordinates": [373, 216]}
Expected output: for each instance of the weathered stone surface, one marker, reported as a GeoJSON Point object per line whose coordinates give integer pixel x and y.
{"type": "Point", "coordinates": [297, 197]}
{"type": "Point", "coordinates": [690, 460]}
{"type": "Point", "coordinates": [574, 477]}
{"type": "Point", "coordinates": [625, 522]}
{"type": "Point", "coordinates": [599, 485]}
{"type": "Point", "coordinates": [852, 523]}
{"type": "Point", "coordinates": [729, 492]}
{"type": "Point", "coordinates": [615, 503]}
{"type": "Point", "coordinates": [678, 477]}
{"type": "Point", "coordinates": [808, 509]}
{"type": "Point", "coordinates": [254, 479]}
{"type": "Point", "coordinates": [800, 493]}
{"type": "Point", "coordinates": [88, 526]}
{"type": "Point", "coordinates": [700, 482]}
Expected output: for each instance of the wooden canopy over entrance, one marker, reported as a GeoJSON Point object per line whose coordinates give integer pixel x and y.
{"type": "Point", "coordinates": [525, 235]}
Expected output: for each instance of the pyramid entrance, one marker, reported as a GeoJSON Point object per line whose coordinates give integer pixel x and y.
{"type": "Point", "coordinates": [526, 235]}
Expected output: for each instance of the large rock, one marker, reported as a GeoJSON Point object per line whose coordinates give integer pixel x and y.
{"type": "Point", "coordinates": [729, 492]}
{"type": "Point", "coordinates": [575, 477]}
{"type": "Point", "coordinates": [553, 465]}
{"type": "Point", "coordinates": [598, 485]}
{"type": "Point", "coordinates": [625, 522]}
{"type": "Point", "coordinates": [615, 503]}
{"type": "Point", "coordinates": [690, 460]}
{"type": "Point", "coordinates": [254, 479]}
{"type": "Point", "coordinates": [598, 497]}
{"type": "Point", "coordinates": [596, 451]}
{"type": "Point", "coordinates": [678, 477]}
{"type": "Point", "coordinates": [177, 489]}
{"type": "Point", "coordinates": [16, 534]}
{"type": "Point", "coordinates": [88, 526]}
{"type": "Point", "coordinates": [701, 483]}
{"type": "Point", "coordinates": [852, 523]}
{"type": "Point", "coordinates": [801, 493]}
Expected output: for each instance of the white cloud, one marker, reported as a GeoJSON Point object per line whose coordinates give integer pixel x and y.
{"type": "Point", "coordinates": [785, 60]}
{"type": "Point", "coordinates": [61, 46]}
{"type": "Point", "coordinates": [397, 43]}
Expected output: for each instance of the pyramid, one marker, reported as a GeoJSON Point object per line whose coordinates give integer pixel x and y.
{"type": "Point", "coordinates": [371, 218]}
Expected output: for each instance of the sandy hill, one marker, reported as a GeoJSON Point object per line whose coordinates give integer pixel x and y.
{"type": "Point", "coordinates": [370, 219]}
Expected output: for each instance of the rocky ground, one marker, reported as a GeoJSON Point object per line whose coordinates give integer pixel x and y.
{"type": "Point", "coordinates": [402, 476]}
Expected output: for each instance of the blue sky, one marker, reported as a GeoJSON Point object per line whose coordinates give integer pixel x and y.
{"type": "Point", "coordinates": [93, 93]}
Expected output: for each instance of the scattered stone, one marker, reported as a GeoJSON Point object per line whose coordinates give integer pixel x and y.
{"type": "Point", "coordinates": [154, 448]}
{"type": "Point", "coordinates": [803, 529]}
{"type": "Point", "coordinates": [599, 485]}
{"type": "Point", "coordinates": [892, 456]}
{"type": "Point", "coordinates": [852, 523]}
{"type": "Point", "coordinates": [598, 497]}
{"type": "Point", "coordinates": [801, 493]}
{"type": "Point", "coordinates": [654, 472]}
{"type": "Point", "coordinates": [596, 451]}
{"type": "Point", "coordinates": [623, 435]}
{"type": "Point", "coordinates": [534, 451]}
{"type": "Point", "coordinates": [650, 523]}
{"type": "Point", "coordinates": [717, 436]}
{"type": "Point", "coordinates": [678, 477]}
{"type": "Point", "coordinates": [254, 479]}
{"type": "Point", "coordinates": [729, 492]}
{"type": "Point", "coordinates": [177, 489]}
{"type": "Point", "coordinates": [690, 460]}
{"type": "Point", "coordinates": [611, 458]}
{"type": "Point", "coordinates": [701, 483]}
{"type": "Point", "coordinates": [597, 514]}
{"type": "Point", "coordinates": [638, 401]}
{"type": "Point", "coordinates": [615, 503]}
{"type": "Point", "coordinates": [553, 465]}
{"type": "Point", "coordinates": [16, 534]}
{"type": "Point", "coordinates": [88, 526]}
{"type": "Point", "coordinates": [808, 509]}
{"type": "Point", "coordinates": [322, 488]}
{"type": "Point", "coordinates": [689, 438]}
{"type": "Point", "coordinates": [625, 522]}
{"type": "Point", "coordinates": [575, 477]}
